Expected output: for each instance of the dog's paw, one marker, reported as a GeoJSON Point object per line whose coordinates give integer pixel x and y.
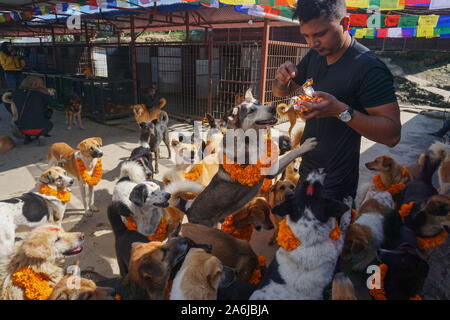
{"type": "Point", "coordinates": [89, 213]}
{"type": "Point", "coordinates": [308, 145]}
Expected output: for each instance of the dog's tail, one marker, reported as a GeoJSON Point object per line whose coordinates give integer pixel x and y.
{"type": "Point", "coordinates": [342, 288]}
{"type": "Point", "coordinates": [116, 210]}
{"type": "Point", "coordinates": [430, 165]}
{"type": "Point", "coordinates": [282, 109]}
{"type": "Point", "coordinates": [296, 135]}
{"type": "Point", "coordinates": [440, 150]}
{"type": "Point", "coordinates": [163, 117]}
{"type": "Point", "coordinates": [132, 171]}
{"type": "Point", "coordinates": [6, 98]}
{"type": "Point", "coordinates": [162, 102]}
{"type": "Point", "coordinates": [182, 193]}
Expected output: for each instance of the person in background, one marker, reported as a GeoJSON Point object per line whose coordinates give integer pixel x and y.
{"type": "Point", "coordinates": [32, 101]}
{"type": "Point", "coordinates": [12, 65]}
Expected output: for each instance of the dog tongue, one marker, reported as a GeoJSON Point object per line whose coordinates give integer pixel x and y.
{"type": "Point", "coordinates": [73, 251]}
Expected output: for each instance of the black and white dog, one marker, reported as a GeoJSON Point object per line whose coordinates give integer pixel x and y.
{"type": "Point", "coordinates": [33, 208]}
{"type": "Point", "coordinates": [304, 272]}
{"type": "Point", "coordinates": [153, 132]}
{"type": "Point", "coordinates": [143, 157]}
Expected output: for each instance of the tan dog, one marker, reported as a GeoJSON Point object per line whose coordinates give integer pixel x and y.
{"type": "Point", "coordinates": [342, 288]}
{"type": "Point", "coordinates": [88, 151]}
{"type": "Point", "coordinates": [151, 265]}
{"type": "Point", "coordinates": [200, 276]}
{"type": "Point", "coordinates": [391, 172]}
{"type": "Point", "coordinates": [292, 170]}
{"type": "Point", "coordinates": [278, 194]}
{"type": "Point", "coordinates": [43, 251]}
{"type": "Point", "coordinates": [188, 164]}
{"type": "Point", "coordinates": [291, 113]}
{"type": "Point", "coordinates": [73, 110]}
{"type": "Point", "coordinates": [143, 114]}
{"type": "Point", "coordinates": [366, 234]}
{"type": "Point", "coordinates": [6, 144]}
{"type": "Point", "coordinates": [234, 253]}
{"type": "Point", "coordinates": [442, 150]}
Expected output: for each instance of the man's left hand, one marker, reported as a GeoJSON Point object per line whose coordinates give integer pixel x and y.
{"type": "Point", "coordinates": [328, 107]}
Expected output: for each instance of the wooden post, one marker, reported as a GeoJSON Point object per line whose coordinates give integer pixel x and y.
{"type": "Point", "coordinates": [86, 33]}
{"type": "Point", "coordinates": [187, 25]}
{"type": "Point", "coordinates": [133, 59]}
{"type": "Point", "coordinates": [210, 61]}
{"type": "Point", "coordinates": [264, 53]}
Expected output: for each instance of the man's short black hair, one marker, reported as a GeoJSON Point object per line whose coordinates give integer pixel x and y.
{"type": "Point", "coordinates": [307, 10]}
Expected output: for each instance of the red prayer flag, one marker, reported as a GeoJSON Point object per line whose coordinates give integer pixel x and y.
{"type": "Point", "coordinates": [382, 33]}
{"type": "Point", "coordinates": [358, 19]}
{"type": "Point", "coordinates": [391, 20]}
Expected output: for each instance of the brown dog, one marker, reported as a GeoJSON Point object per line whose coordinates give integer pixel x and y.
{"type": "Point", "coordinates": [6, 144]}
{"type": "Point", "coordinates": [291, 113]}
{"type": "Point", "coordinates": [442, 150]}
{"type": "Point", "coordinates": [391, 172]}
{"type": "Point", "coordinates": [73, 110]}
{"type": "Point", "coordinates": [143, 114]}
{"type": "Point", "coordinates": [89, 152]}
{"type": "Point", "coordinates": [234, 253]}
{"type": "Point", "coordinates": [278, 194]}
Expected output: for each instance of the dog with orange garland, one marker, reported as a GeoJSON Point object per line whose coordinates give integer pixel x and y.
{"type": "Point", "coordinates": [84, 164]}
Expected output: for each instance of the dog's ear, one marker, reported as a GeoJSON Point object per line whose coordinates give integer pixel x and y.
{"type": "Point", "coordinates": [98, 140]}
{"type": "Point", "coordinates": [155, 121]}
{"type": "Point", "coordinates": [37, 247]}
{"type": "Point", "coordinates": [233, 115]}
{"type": "Point", "coordinates": [357, 247]}
{"type": "Point", "coordinates": [387, 162]}
{"type": "Point", "coordinates": [134, 245]}
{"type": "Point", "coordinates": [213, 268]}
{"type": "Point", "coordinates": [139, 195]}
{"type": "Point", "coordinates": [248, 94]}
{"type": "Point", "coordinates": [143, 125]}
{"type": "Point", "coordinates": [46, 177]}
{"type": "Point", "coordinates": [174, 142]}
{"type": "Point", "coordinates": [227, 278]}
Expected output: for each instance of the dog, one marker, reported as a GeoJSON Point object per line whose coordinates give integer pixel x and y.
{"type": "Point", "coordinates": [6, 144]}
{"type": "Point", "coordinates": [143, 157]}
{"type": "Point", "coordinates": [200, 277]}
{"type": "Point", "coordinates": [284, 110]}
{"type": "Point", "coordinates": [89, 152]}
{"type": "Point", "coordinates": [73, 110]}
{"type": "Point", "coordinates": [146, 113]}
{"type": "Point", "coordinates": [43, 251]}
{"type": "Point", "coordinates": [391, 172]}
{"type": "Point", "coordinates": [33, 208]}
{"type": "Point", "coordinates": [74, 287]}
{"type": "Point", "coordinates": [442, 150]}
{"type": "Point", "coordinates": [224, 195]}
{"type": "Point", "coordinates": [303, 272]}
{"type": "Point", "coordinates": [279, 192]}
{"type": "Point", "coordinates": [234, 253]}
{"type": "Point", "coordinates": [342, 288]}
{"type": "Point", "coordinates": [152, 133]}
{"type": "Point", "coordinates": [366, 234]}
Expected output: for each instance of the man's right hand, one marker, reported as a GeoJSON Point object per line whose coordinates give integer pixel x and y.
{"type": "Point", "coordinates": [286, 72]}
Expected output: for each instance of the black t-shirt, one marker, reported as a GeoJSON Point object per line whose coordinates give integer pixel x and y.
{"type": "Point", "coordinates": [358, 79]}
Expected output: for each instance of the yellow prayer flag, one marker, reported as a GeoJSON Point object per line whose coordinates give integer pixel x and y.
{"type": "Point", "coordinates": [358, 3]}
{"type": "Point", "coordinates": [392, 4]}
{"type": "Point", "coordinates": [360, 33]}
{"type": "Point", "coordinates": [425, 31]}
{"type": "Point", "coordinates": [428, 20]}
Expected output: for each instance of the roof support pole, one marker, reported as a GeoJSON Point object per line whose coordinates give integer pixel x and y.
{"type": "Point", "coordinates": [55, 65]}
{"type": "Point", "coordinates": [187, 25]}
{"type": "Point", "coordinates": [133, 59]}
{"type": "Point", "coordinates": [264, 53]}
{"type": "Point", "coordinates": [210, 60]}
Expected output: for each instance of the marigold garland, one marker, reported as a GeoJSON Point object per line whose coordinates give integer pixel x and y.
{"type": "Point", "coordinates": [354, 216]}
{"type": "Point", "coordinates": [285, 238]}
{"type": "Point", "coordinates": [256, 275]}
{"type": "Point", "coordinates": [405, 210]}
{"type": "Point", "coordinates": [251, 174]}
{"type": "Point", "coordinates": [394, 188]}
{"type": "Point", "coordinates": [96, 175]}
{"type": "Point", "coordinates": [242, 234]}
{"type": "Point", "coordinates": [432, 242]}
{"type": "Point", "coordinates": [35, 286]}
{"type": "Point", "coordinates": [267, 184]}
{"type": "Point", "coordinates": [335, 234]}
{"type": "Point", "coordinates": [194, 173]}
{"type": "Point", "coordinates": [160, 233]}
{"type": "Point", "coordinates": [62, 195]}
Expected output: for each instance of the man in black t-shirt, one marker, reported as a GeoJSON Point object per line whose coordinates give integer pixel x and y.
{"type": "Point", "coordinates": [357, 91]}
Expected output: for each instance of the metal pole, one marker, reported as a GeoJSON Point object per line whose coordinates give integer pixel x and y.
{"type": "Point", "coordinates": [187, 25]}
{"type": "Point", "coordinates": [54, 49]}
{"type": "Point", "coordinates": [210, 60]}
{"type": "Point", "coordinates": [133, 59]}
{"type": "Point", "coordinates": [264, 53]}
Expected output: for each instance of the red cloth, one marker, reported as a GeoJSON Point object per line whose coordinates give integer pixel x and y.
{"type": "Point", "coordinates": [31, 132]}
{"type": "Point", "coordinates": [358, 19]}
{"type": "Point", "coordinates": [382, 33]}
{"type": "Point", "coordinates": [391, 20]}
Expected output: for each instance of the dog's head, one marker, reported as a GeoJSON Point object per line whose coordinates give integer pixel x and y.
{"type": "Point", "coordinates": [210, 273]}
{"type": "Point", "coordinates": [151, 264]}
{"type": "Point", "coordinates": [90, 147]}
{"type": "Point", "coordinates": [138, 109]}
{"type": "Point", "coordinates": [56, 176]}
{"type": "Point", "coordinates": [406, 274]}
{"type": "Point", "coordinates": [188, 152]}
{"type": "Point", "coordinates": [73, 287]}
{"type": "Point", "coordinates": [430, 217]}
{"type": "Point", "coordinates": [282, 190]}
{"type": "Point", "coordinates": [143, 156]}
{"type": "Point", "coordinates": [381, 164]}
{"type": "Point", "coordinates": [251, 114]}
{"type": "Point", "coordinates": [148, 197]}
{"type": "Point", "coordinates": [255, 212]}
{"type": "Point", "coordinates": [356, 241]}
{"type": "Point", "coordinates": [75, 104]}
{"type": "Point", "coordinates": [50, 243]}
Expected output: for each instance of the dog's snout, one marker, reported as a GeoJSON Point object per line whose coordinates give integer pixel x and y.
{"type": "Point", "coordinates": [71, 181]}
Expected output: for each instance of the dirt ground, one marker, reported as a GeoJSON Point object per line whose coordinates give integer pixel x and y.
{"type": "Point", "coordinates": [20, 168]}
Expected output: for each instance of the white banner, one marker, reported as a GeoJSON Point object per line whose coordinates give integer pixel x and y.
{"type": "Point", "coordinates": [439, 4]}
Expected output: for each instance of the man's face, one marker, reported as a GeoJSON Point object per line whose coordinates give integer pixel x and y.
{"type": "Point", "coordinates": [325, 35]}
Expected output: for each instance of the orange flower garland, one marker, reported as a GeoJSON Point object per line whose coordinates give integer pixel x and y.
{"type": "Point", "coordinates": [285, 238]}
{"type": "Point", "coordinates": [160, 233]}
{"type": "Point", "coordinates": [96, 175]}
{"type": "Point", "coordinates": [380, 294]}
{"type": "Point", "coordinates": [394, 188]}
{"type": "Point", "coordinates": [405, 210]}
{"type": "Point", "coordinates": [256, 275]}
{"type": "Point", "coordinates": [194, 173]}
{"type": "Point", "coordinates": [62, 195]}
{"type": "Point", "coordinates": [354, 216]}
{"type": "Point", "coordinates": [427, 243]}
{"type": "Point", "coordinates": [335, 234]}
{"type": "Point", "coordinates": [35, 286]}
{"type": "Point", "coordinates": [251, 174]}
{"type": "Point", "coordinates": [267, 184]}
{"type": "Point", "coordinates": [242, 234]}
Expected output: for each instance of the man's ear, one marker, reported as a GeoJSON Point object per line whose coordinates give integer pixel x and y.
{"type": "Point", "coordinates": [345, 22]}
